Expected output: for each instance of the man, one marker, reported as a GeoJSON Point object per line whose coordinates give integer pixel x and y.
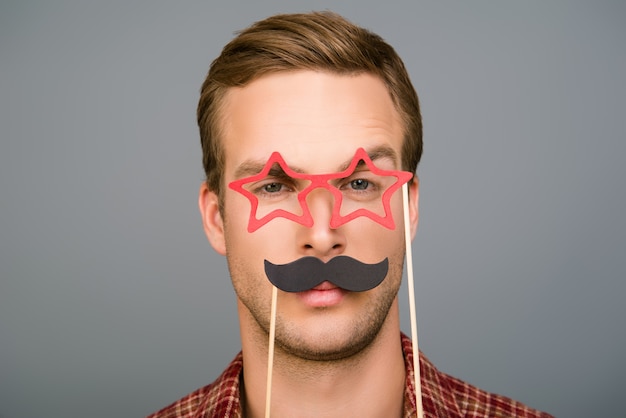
{"type": "Point", "coordinates": [309, 125]}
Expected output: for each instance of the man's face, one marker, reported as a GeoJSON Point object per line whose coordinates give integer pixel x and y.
{"type": "Point", "coordinates": [316, 121]}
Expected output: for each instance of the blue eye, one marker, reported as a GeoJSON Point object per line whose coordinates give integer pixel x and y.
{"type": "Point", "coordinates": [359, 184]}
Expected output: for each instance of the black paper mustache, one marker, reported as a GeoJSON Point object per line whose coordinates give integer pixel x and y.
{"type": "Point", "coordinates": [342, 271]}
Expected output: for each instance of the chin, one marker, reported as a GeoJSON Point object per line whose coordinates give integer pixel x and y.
{"type": "Point", "coordinates": [328, 339]}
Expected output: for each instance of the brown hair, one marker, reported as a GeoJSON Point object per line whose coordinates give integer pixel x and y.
{"type": "Point", "coordinates": [318, 41]}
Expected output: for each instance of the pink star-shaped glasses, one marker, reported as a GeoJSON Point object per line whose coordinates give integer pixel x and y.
{"type": "Point", "coordinates": [321, 181]}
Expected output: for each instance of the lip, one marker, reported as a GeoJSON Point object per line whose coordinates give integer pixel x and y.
{"type": "Point", "coordinates": [323, 295]}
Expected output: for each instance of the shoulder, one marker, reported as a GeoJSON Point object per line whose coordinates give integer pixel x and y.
{"type": "Point", "coordinates": [445, 395]}
{"type": "Point", "coordinates": [475, 402]}
{"type": "Point", "coordinates": [218, 399]}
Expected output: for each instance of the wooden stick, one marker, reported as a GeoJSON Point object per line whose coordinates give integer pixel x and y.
{"type": "Point", "coordinates": [410, 282]}
{"type": "Point", "coordinates": [270, 354]}
{"type": "Point", "coordinates": [409, 267]}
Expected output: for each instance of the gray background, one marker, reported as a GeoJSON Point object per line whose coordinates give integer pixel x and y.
{"type": "Point", "coordinates": [112, 303]}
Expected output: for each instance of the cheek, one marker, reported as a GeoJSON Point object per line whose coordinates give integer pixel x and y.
{"type": "Point", "coordinates": [371, 242]}
{"type": "Point", "coordinates": [378, 237]}
{"type": "Point", "coordinates": [270, 241]}
{"type": "Point", "coordinates": [237, 211]}
{"type": "Point", "coordinates": [397, 210]}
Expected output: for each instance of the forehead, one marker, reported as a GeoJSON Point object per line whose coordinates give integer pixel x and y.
{"type": "Point", "coordinates": [314, 119]}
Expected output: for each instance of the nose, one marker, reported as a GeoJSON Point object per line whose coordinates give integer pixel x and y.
{"type": "Point", "coordinates": [321, 240]}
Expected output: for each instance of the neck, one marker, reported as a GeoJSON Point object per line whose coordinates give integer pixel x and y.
{"type": "Point", "coordinates": [368, 383]}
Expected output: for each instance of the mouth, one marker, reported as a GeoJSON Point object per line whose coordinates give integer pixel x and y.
{"type": "Point", "coordinates": [324, 295]}
{"type": "Point", "coordinates": [325, 286]}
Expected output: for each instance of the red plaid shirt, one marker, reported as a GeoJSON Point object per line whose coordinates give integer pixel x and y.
{"type": "Point", "coordinates": [443, 396]}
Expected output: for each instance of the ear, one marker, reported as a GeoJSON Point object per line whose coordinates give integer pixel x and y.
{"type": "Point", "coordinates": [208, 203]}
{"type": "Point", "coordinates": [414, 196]}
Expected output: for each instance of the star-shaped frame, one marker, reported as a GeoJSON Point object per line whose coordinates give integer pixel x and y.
{"type": "Point", "coordinates": [317, 181]}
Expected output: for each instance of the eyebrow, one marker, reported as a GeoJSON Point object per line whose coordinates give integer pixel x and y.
{"type": "Point", "coordinates": [252, 167]}
{"type": "Point", "coordinates": [377, 153]}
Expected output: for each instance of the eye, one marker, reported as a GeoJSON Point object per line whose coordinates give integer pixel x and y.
{"type": "Point", "coordinates": [359, 184]}
{"type": "Point", "coordinates": [272, 187]}
{"type": "Point", "coordinates": [363, 188]}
